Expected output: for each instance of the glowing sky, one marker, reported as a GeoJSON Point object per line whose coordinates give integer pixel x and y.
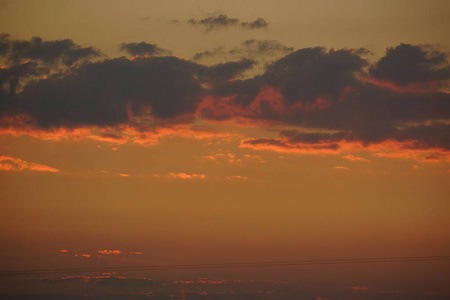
{"type": "Point", "coordinates": [179, 132]}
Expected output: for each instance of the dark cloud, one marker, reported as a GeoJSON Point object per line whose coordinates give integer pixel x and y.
{"type": "Point", "coordinates": [303, 76]}
{"type": "Point", "coordinates": [49, 52]}
{"type": "Point", "coordinates": [10, 78]}
{"type": "Point", "coordinates": [215, 22]}
{"type": "Point", "coordinates": [28, 60]}
{"type": "Point", "coordinates": [406, 64]}
{"type": "Point", "coordinates": [323, 90]}
{"type": "Point", "coordinates": [313, 72]}
{"type": "Point", "coordinates": [105, 93]}
{"type": "Point", "coordinates": [224, 72]}
{"type": "Point", "coordinates": [143, 48]}
{"type": "Point", "coordinates": [295, 136]}
{"type": "Point", "coordinates": [258, 50]}
{"type": "Point", "coordinates": [223, 21]}
{"type": "Point", "coordinates": [257, 24]}
{"type": "Point", "coordinates": [99, 93]}
{"type": "Point", "coordinates": [436, 135]}
{"type": "Point", "coordinates": [4, 43]}
{"type": "Point", "coordinates": [267, 47]}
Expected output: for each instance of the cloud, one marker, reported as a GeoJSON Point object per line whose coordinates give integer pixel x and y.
{"type": "Point", "coordinates": [24, 61]}
{"type": "Point", "coordinates": [108, 252]}
{"type": "Point", "coordinates": [8, 163]}
{"type": "Point", "coordinates": [185, 176]}
{"type": "Point", "coordinates": [232, 158]}
{"type": "Point", "coordinates": [257, 24]}
{"type": "Point", "coordinates": [223, 21]}
{"type": "Point", "coordinates": [283, 146]}
{"type": "Point", "coordinates": [352, 157]}
{"type": "Point", "coordinates": [108, 93]}
{"type": "Point", "coordinates": [236, 177]}
{"type": "Point", "coordinates": [49, 52]}
{"type": "Point", "coordinates": [341, 168]}
{"type": "Point", "coordinates": [215, 22]}
{"type": "Point", "coordinates": [143, 48]}
{"type": "Point", "coordinates": [261, 52]}
{"type": "Point", "coordinates": [423, 143]}
{"type": "Point", "coordinates": [406, 64]}
{"type": "Point", "coordinates": [99, 93]}
{"type": "Point", "coordinates": [252, 49]}
{"type": "Point", "coordinates": [334, 99]}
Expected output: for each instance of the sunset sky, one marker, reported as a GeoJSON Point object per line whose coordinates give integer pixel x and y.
{"type": "Point", "coordinates": [137, 133]}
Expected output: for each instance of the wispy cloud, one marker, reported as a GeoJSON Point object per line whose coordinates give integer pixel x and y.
{"type": "Point", "coordinates": [185, 176]}
{"type": "Point", "coordinates": [9, 163]}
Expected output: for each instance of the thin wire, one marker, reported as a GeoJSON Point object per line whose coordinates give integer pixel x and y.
{"type": "Point", "coordinates": [233, 265]}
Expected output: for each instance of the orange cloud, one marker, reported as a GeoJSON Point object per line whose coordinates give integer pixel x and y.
{"type": "Point", "coordinates": [282, 146]}
{"type": "Point", "coordinates": [341, 168]}
{"type": "Point", "coordinates": [387, 148]}
{"type": "Point", "coordinates": [8, 163]}
{"type": "Point", "coordinates": [226, 157]}
{"type": "Point", "coordinates": [236, 177]}
{"type": "Point", "coordinates": [229, 157]}
{"type": "Point", "coordinates": [108, 252]}
{"type": "Point", "coordinates": [355, 158]}
{"type": "Point", "coordinates": [138, 133]}
{"type": "Point", "coordinates": [186, 176]}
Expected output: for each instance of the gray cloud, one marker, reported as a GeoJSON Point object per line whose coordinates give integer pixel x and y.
{"type": "Point", "coordinates": [259, 50]}
{"type": "Point", "coordinates": [223, 21]}
{"type": "Point", "coordinates": [407, 64]}
{"type": "Point", "coordinates": [257, 24]}
{"type": "Point", "coordinates": [215, 22]}
{"type": "Point", "coordinates": [144, 48]}
{"type": "Point", "coordinates": [49, 52]}
{"type": "Point", "coordinates": [103, 93]}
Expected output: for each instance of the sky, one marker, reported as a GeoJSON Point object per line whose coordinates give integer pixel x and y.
{"type": "Point", "coordinates": [140, 133]}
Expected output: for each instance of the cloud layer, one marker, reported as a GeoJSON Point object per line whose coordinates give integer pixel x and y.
{"type": "Point", "coordinates": [338, 101]}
